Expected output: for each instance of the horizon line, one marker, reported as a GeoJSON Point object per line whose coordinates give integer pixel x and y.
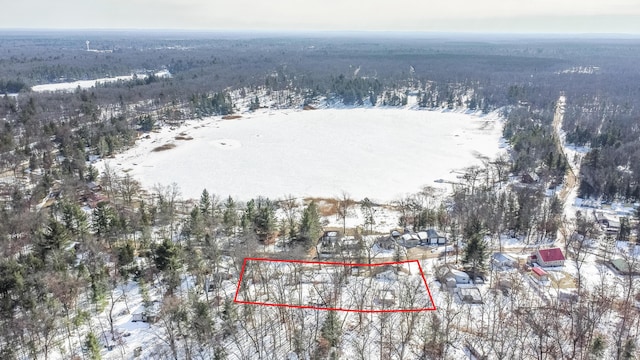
{"type": "Point", "coordinates": [384, 33]}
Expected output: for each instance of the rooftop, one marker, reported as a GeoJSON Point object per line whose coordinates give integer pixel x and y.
{"type": "Point", "coordinates": [621, 266]}
{"type": "Point", "coordinates": [539, 271]}
{"type": "Point", "coordinates": [500, 257]}
{"type": "Point", "coordinates": [554, 254]}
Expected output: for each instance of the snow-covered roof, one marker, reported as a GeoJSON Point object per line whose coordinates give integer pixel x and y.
{"type": "Point", "coordinates": [459, 273]}
{"type": "Point", "coordinates": [502, 258]}
{"type": "Point", "coordinates": [410, 237]}
{"type": "Point", "coordinates": [432, 233]}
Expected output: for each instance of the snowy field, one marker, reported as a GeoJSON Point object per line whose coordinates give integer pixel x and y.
{"type": "Point", "coordinates": [378, 153]}
{"type": "Point", "coordinates": [85, 84]}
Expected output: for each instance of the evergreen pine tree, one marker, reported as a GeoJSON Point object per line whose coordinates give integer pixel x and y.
{"type": "Point", "coordinates": [598, 346]}
{"type": "Point", "coordinates": [54, 238]}
{"type": "Point", "coordinates": [103, 219]}
{"type": "Point", "coordinates": [166, 256]}
{"type": "Point", "coordinates": [310, 227]}
{"type": "Point", "coordinates": [230, 215]}
{"type": "Point", "coordinates": [264, 221]}
{"type": "Point", "coordinates": [331, 330]}
{"type": "Point", "coordinates": [475, 254]}
{"type": "Point", "coordinates": [246, 222]}
{"type": "Point", "coordinates": [93, 346]}
{"type": "Point", "coordinates": [205, 203]}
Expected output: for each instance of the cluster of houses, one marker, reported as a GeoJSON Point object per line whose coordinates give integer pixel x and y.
{"type": "Point", "coordinates": [454, 279]}
{"type": "Point", "coordinates": [333, 241]}
{"type": "Point", "coordinates": [460, 283]}
{"type": "Point", "coordinates": [89, 195]}
{"type": "Point", "coordinates": [411, 239]}
{"type": "Point", "coordinates": [609, 223]}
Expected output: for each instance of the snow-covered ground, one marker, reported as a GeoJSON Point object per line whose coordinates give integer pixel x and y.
{"type": "Point", "coordinates": [370, 288]}
{"type": "Point", "coordinates": [84, 84]}
{"type": "Point", "coordinates": [378, 153]}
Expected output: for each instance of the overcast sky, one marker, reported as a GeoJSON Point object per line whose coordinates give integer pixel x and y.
{"type": "Point", "coordinates": [518, 16]}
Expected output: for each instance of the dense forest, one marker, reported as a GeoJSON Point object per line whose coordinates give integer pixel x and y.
{"type": "Point", "coordinates": [61, 265]}
{"type": "Point", "coordinates": [598, 78]}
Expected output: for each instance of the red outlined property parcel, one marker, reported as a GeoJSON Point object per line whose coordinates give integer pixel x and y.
{"type": "Point", "coordinates": [383, 287]}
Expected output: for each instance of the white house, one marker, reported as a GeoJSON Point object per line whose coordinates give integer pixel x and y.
{"type": "Point", "coordinates": [549, 257]}
{"type": "Point", "coordinates": [503, 261]}
{"type": "Point", "coordinates": [451, 277]}
{"type": "Point", "coordinates": [460, 276]}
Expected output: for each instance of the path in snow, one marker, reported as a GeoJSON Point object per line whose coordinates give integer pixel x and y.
{"type": "Point", "coordinates": [569, 190]}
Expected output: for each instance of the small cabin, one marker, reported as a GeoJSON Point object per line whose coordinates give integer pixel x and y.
{"type": "Point", "coordinates": [622, 267]}
{"type": "Point", "coordinates": [143, 317]}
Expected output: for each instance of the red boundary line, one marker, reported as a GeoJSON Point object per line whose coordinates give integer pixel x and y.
{"type": "Point", "coordinates": [244, 264]}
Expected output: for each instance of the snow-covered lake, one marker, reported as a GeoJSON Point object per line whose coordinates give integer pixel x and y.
{"type": "Point", "coordinates": [378, 153]}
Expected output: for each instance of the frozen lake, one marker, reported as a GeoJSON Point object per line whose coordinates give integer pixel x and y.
{"type": "Point", "coordinates": [378, 153]}
{"type": "Point", "coordinates": [85, 84]}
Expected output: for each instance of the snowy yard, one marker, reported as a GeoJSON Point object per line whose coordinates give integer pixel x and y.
{"type": "Point", "coordinates": [373, 288]}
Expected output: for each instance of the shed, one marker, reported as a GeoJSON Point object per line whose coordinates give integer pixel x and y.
{"type": "Point", "coordinates": [450, 281]}
{"type": "Point", "coordinates": [470, 295]}
{"type": "Point", "coordinates": [622, 267]}
{"type": "Point", "coordinates": [539, 274]}
{"type": "Point", "coordinates": [94, 186]}
{"type": "Point", "coordinates": [386, 243]}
